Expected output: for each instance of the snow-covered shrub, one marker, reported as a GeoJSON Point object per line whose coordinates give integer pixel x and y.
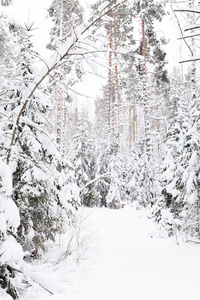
{"type": "Point", "coordinates": [34, 161]}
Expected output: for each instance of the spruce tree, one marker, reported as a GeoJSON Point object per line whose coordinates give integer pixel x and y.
{"type": "Point", "coordinates": [104, 153]}
{"type": "Point", "coordinates": [170, 203]}
{"type": "Point", "coordinates": [11, 253]}
{"type": "Point", "coordinates": [37, 166]}
{"type": "Point", "coordinates": [83, 159]}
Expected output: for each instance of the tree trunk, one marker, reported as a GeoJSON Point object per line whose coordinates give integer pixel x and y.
{"type": "Point", "coordinates": [145, 98]}
{"type": "Point", "coordinates": [116, 81]}
{"type": "Point", "coordinates": [134, 122]}
{"type": "Point", "coordinates": [61, 104]}
{"type": "Point", "coordinates": [191, 17]}
{"type": "Point", "coordinates": [59, 114]}
{"type": "Point", "coordinates": [130, 122]}
{"type": "Point", "coordinates": [110, 77]}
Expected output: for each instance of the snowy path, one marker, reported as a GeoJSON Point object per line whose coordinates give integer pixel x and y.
{"type": "Point", "coordinates": [132, 265]}
{"type": "Point", "coordinates": [124, 263]}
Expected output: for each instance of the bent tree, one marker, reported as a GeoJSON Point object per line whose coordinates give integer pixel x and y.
{"type": "Point", "coordinates": [25, 154]}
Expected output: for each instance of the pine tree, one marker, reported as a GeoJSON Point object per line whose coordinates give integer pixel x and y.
{"type": "Point", "coordinates": [154, 58]}
{"type": "Point", "coordinates": [113, 198]}
{"type": "Point", "coordinates": [118, 30]}
{"type": "Point", "coordinates": [66, 15]}
{"type": "Point", "coordinates": [182, 172]}
{"type": "Point", "coordinates": [150, 49]}
{"type": "Point", "coordinates": [104, 154]}
{"type": "Point", "coordinates": [132, 184]}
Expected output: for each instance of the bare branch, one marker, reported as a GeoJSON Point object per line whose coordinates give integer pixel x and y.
{"type": "Point", "coordinates": [190, 60]}
{"type": "Point", "coordinates": [187, 10]}
{"type": "Point", "coordinates": [179, 25]}
{"type": "Point", "coordinates": [189, 36]}
{"type": "Point", "coordinates": [192, 28]}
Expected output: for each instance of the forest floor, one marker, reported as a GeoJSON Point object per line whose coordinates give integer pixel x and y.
{"type": "Point", "coordinates": [120, 256]}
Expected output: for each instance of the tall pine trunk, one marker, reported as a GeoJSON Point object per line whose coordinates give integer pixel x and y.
{"type": "Point", "coordinates": [145, 96]}
{"type": "Point", "coordinates": [110, 79]}
{"type": "Point", "coordinates": [116, 82]}
{"type": "Point", "coordinates": [130, 123]}
{"type": "Point", "coordinates": [61, 104]}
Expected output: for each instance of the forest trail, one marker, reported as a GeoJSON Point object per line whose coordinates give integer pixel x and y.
{"type": "Point", "coordinates": [123, 259]}
{"type": "Point", "coordinates": [133, 265]}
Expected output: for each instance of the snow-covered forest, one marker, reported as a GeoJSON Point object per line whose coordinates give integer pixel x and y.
{"type": "Point", "coordinates": [99, 114]}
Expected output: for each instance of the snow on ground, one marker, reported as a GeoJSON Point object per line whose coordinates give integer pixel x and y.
{"type": "Point", "coordinates": [131, 264]}
{"type": "Point", "coordinates": [120, 256]}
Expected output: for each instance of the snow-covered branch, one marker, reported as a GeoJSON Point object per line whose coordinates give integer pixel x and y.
{"type": "Point", "coordinates": [192, 28]}
{"type": "Point", "coordinates": [190, 60]}
{"type": "Point", "coordinates": [94, 180]}
{"type": "Point", "coordinates": [197, 11]}
{"type": "Point", "coordinates": [189, 36]}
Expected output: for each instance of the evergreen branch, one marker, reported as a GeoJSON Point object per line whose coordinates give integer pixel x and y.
{"type": "Point", "coordinates": [89, 26]}
{"type": "Point", "coordinates": [24, 107]}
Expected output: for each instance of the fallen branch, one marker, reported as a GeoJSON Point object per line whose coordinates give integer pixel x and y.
{"type": "Point", "coordinates": [195, 242]}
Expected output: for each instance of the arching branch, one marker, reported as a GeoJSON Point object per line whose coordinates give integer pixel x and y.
{"type": "Point", "coordinates": [66, 48]}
